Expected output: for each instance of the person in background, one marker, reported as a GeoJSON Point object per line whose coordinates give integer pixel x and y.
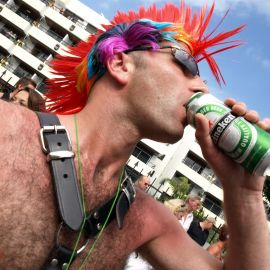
{"type": "Point", "coordinates": [193, 203]}
{"type": "Point", "coordinates": [143, 182]}
{"type": "Point", "coordinates": [31, 99]}
{"type": "Point", "coordinates": [36, 101]}
{"type": "Point", "coordinates": [26, 95]}
{"type": "Point", "coordinates": [199, 230]}
{"type": "Point", "coordinates": [26, 84]}
{"type": "Point", "coordinates": [218, 249]}
{"type": "Point", "coordinates": [177, 207]}
{"type": "Point", "coordinates": [21, 98]}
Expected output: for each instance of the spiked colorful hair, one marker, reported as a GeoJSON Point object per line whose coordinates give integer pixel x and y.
{"type": "Point", "coordinates": [86, 62]}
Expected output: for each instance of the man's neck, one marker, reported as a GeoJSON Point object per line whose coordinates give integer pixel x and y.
{"type": "Point", "coordinates": [94, 128]}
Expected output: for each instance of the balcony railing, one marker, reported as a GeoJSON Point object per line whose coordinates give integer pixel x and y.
{"type": "Point", "coordinates": [21, 72]}
{"type": "Point", "coordinates": [25, 16]}
{"type": "Point", "coordinates": [9, 34]}
{"type": "Point", "coordinates": [12, 7]}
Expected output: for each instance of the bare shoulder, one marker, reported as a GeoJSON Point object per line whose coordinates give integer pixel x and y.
{"type": "Point", "coordinates": [19, 137]}
{"type": "Point", "coordinates": [156, 217]}
{"type": "Point", "coordinates": [14, 117]}
{"type": "Point", "coordinates": [27, 211]}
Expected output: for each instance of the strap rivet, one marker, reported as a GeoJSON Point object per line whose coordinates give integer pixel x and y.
{"type": "Point", "coordinates": [54, 262]}
{"type": "Point", "coordinates": [64, 266]}
{"type": "Point", "coordinates": [96, 215]}
{"type": "Point", "coordinates": [99, 226]}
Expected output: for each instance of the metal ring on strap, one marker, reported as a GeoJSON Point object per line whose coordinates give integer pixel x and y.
{"type": "Point", "coordinates": [78, 251]}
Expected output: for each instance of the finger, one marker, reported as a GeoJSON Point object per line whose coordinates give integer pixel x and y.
{"type": "Point", "coordinates": [264, 124]}
{"type": "Point", "coordinates": [239, 108]}
{"type": "Point", "coordinates": [252, 116]}
{"type": "Point", "coordinates": [214, 156]}
{"type": "Point", "coordinates": [230, 102]}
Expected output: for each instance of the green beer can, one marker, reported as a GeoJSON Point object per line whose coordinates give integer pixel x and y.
{"type": "Point", "coordinates": [241, 140]}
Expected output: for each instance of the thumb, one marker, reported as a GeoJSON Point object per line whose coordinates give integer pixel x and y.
{"type": "Point", "coordinates": [214, 156]}
{"type": "Point", "coordinates": [208, 148]}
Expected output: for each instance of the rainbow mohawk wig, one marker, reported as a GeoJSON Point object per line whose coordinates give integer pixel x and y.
{"type": "Point", "coordinates": [86, 62]}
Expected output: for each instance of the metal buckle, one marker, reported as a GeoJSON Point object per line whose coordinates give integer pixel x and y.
{"type": "Point", "coordinates": [59, 155]}
{"type": "Point", "coordinates": [126, 185]}
{"type": "Point", "coordinates": [51, 129]}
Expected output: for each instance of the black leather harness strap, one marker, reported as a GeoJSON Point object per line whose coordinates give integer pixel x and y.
{"type": "Point", "coordinates": [97, 218]}
{"type": "Point", "coordinates": [56, 144]}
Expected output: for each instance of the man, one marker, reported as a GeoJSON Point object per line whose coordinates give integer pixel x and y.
{"type": "Point", "coordinates": [128, 87]}
{"type": "Point", "coordinates": [199, 230]}
{"type": "Point", "coordinates": [143, 182]}
{"type": "Point", "coordinates": [25, 84]}
{"type": "Point", "coordinates": [193, 203]}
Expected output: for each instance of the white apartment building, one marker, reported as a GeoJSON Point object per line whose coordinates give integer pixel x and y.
{"type": "Point", "coordinates": [32, 32]}
{"type": "Point", "coordinates": [164, 161]}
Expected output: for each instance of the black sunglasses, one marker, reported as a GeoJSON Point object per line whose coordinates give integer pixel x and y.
{"type": "Point", "coordinates": [182, 57]}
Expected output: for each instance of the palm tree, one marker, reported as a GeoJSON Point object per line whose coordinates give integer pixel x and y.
{"type": "Point", "coordinates": [180, 187]}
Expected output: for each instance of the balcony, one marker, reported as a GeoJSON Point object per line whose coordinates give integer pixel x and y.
{"type": "Point", "coordinates": [36, 6]}
{"type": "Point", "coordinates": [48, 39]}
{"type": "Point", "coordinates": [7, 40]}
{"type": "Point", "coordinates": [25, 14]}
{"type": "Point", "coordinates": [31, 63]}
{"type": "Point", "coordinates": [139, 166]}
{"type": "Point", "coordinates": [9, 14]}
{"type": "Point", "coordinates": [21, 71]}
{"type": "Point", "coordinates": [64, 25]}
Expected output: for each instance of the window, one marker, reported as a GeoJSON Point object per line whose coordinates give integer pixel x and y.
{"type": "Point", "coordinates": [90, 29]}
{"type": "Point", "coordinates": [26, 13]}
{"type": "Point", "coordinates": [195, 162]}
{"type": "Point", "coordinates": [71, 16]}
{"type": "Point", "coordinates": [56, 34]}
{"type": "Point", "coordinates": [213, 204]}
{"type": "Point", "coordinates": [40, 53]}
{"type": "Point", "coordinates": [132, 173]}
{"type": "Point", "coordinates": [22, 71]}
{"type": "Point", "coordinates": [142, 153]}
{"type": "Point", "coordinates": [3, 54]}
{"type": "Point", "coordinates": [9, 33]}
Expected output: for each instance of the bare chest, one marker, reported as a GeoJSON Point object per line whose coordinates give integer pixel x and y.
{"type": "Point", "coordinates": [29, 216]}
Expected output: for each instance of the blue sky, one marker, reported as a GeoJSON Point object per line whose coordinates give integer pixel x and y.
{"type": "Point", "coordinates": [246, 69]}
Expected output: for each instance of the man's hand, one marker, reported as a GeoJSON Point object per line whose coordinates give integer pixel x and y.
{"type": "Point", "coordinates": [228, 171]}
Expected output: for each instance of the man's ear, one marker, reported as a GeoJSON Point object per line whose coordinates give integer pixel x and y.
{"type": "Point", "coordinates": [119, 67]}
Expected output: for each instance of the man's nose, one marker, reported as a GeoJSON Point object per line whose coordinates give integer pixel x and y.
{"type": "Point", "coordinates": [199, 85]}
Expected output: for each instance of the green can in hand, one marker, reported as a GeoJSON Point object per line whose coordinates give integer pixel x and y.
{"type": "Point", "coordinates": [241, 140]}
